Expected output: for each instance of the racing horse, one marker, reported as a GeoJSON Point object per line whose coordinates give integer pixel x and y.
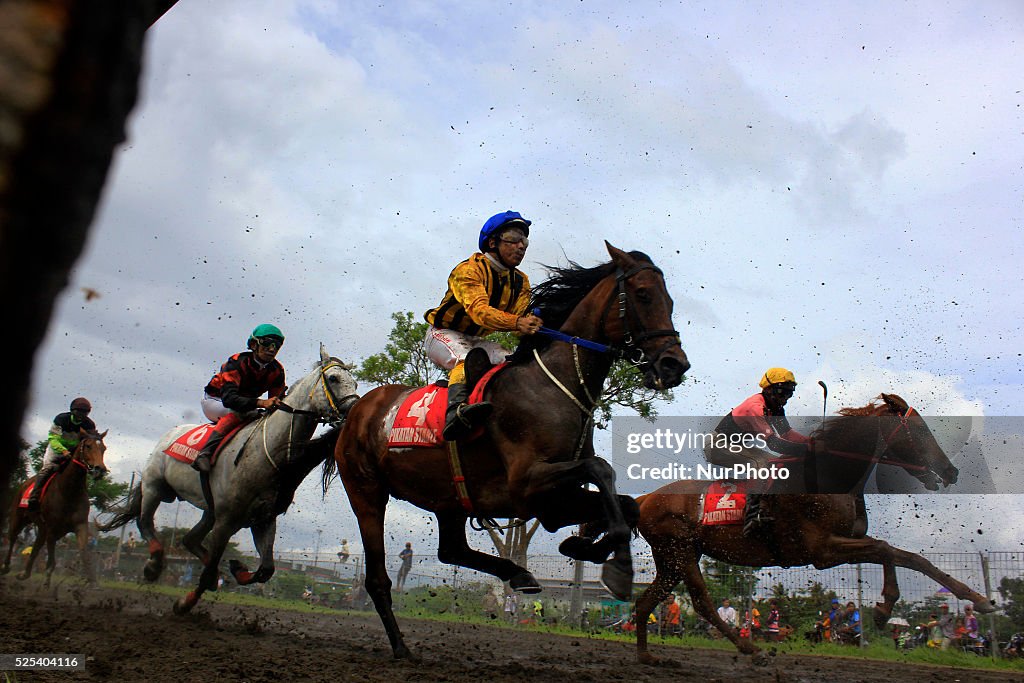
{"type": "Point", "coordinates": [252, 482]}
{"type": "Point", "coordinates": [823, 530]}
{"type": "Point", "coordinates": [63, 509]}
{"type": "Point", "coordinates": [535, 456]}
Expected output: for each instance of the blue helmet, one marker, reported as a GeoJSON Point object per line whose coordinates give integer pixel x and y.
{"type": "Point", "coordinates": [502, 220]}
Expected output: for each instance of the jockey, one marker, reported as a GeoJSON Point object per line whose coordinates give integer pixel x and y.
{"type": "Point", "coordinates": [61, 441]}
{"type": "Point", "coordinates": [486, 293]}
{"type": "Point", "coordinates": [764, 415]}
{"type": "Point", "coordinates": [236, 389]}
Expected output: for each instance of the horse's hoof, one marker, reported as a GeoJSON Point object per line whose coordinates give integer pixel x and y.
{"type": "Point", "coordinates": [402, 652]}
{"type": "Point", "coordinates": [4, 570]}
{"type": "Point", "coordinates": [524, 582]}
{"type": "Point", "coordinates": [760, 658]}
{"type": "Point", "coordinates": [617, 580]}
{"type": "Point", "coordinates": [184, 605]}
{"type": "Point", "coordinates": [647, 658]}
{"type": "Point", "coordinates": [22, 576]}
{"type": "Point", "coordinates": [747, 647]}
{"type": "Point", "coordinates": [151, 573]}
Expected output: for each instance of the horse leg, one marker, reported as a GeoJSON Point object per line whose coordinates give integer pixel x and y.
{"type": "Point", "coordinates": [452, 548]}
{"type": "Point", "coordinates": [193, 539]}
{"type": "Point", "coordinates": [51, 557]}
{"type": "Point", "coordinates": [219, 537]}
{"type": "Point", "coordinates": [37, 545]}
{"type": "Point", "coordinates": [543, 478]}
{"type": "Point", "coordinates": [15, 527]}
{"type": "Point", "coordinates": [85, 552]}
{"type": "Point", "coordinates": [584, 546]}
{"type": "Point", "coordinates": [263, 537]}
{"type": "Point", "coordinates": [702, 603]}
{"type": "Point", "coordinates": [368, 502]}
{"type": "Point", "coordinates": [147, 531]}
{"type": "Point", "coordinates": [667, 575]}
{"type": "Point", "coordinates": [890, 594]}
{"type": "Point", "coordinates": [841, 550]}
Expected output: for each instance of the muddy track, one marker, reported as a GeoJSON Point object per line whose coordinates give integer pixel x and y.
{"type": "Point", "coordinates": [132, 636]}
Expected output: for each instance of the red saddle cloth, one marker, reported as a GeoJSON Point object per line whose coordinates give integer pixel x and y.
{"type": "Point", "coordinates": [187, 446]}
{"type": "Point", "coordinates": [420, 419]}
{"type": "Point", "coordinates": [723, 503]}
{"type": "Point", "coordinates": [27, 491]}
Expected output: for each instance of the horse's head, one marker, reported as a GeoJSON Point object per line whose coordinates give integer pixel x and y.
{"type": "Point", "coordinates": [90, 452]}
{"type": "Point", "coordinates": [640, 320]}
{"type": "Point", "coordinates": [909, 442]}
{"type": "Point", "coordinates": [337, 388]}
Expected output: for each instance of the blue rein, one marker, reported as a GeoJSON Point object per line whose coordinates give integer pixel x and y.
{"type": "Point", "coordinates": [569, 339]}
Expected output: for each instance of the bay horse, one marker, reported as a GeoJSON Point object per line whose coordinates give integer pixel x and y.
{"type": "Point", "coordinates": [823, 530]}
{"type": "Point", "coordinates": [63, 509]}
{"type": "Point", "coordinates": [252, 482]}
{"type": "Point", "coordinates": [536, 455]}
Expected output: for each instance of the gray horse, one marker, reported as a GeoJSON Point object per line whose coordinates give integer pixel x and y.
{"type": "Point", "coordinates": [253, 480]}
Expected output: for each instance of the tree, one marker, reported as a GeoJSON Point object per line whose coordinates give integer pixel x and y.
{"type": "Point", "coordinates": [1012, 592]}
{"type": "Point", "coordinates": [404, 361]}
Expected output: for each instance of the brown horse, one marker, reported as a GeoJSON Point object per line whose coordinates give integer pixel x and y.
{"type": "Point", "coordinates": [536, 454]}
{"type": "Point", "coordinates": [810, 529]}
{"type": "Point", "coordinates": [63, 509]}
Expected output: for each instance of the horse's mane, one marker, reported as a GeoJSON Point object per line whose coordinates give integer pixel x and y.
{"type": "Point", "coordinates": [876, 408]}
{"type": "Point", "coordinates": [559, 295]}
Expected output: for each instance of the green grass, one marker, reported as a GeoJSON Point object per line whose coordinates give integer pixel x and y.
{"type": "Point", "coordinates": [879, 649]}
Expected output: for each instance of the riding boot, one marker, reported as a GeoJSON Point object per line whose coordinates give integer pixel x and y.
{"type": "Point", "coordinates": [203, 462]}
{"type": "Point", "coordinates": [44, 475]}
{"type": "Point", "coordinates": [753, 519]}
{"type": "Point", "coordinates": [460, 418]}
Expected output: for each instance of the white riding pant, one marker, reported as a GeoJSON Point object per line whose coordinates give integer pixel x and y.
{"type": "Point", "coordinates": [51, 457]}
{"type": "Point", "coordinates": [213, 408]}
{"type": "Point", "coordinates": [446, 348]}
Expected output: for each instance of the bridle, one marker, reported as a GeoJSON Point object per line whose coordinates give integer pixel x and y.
{"type": "Point", "coordinates": [79, 452]}
{"type": "Point", "coordinates": [336, 403]}
{"type": "Point", "coordinates": [635, 333]}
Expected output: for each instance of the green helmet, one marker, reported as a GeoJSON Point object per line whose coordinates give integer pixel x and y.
{"type": "Point", "coordinates": [266, 330]}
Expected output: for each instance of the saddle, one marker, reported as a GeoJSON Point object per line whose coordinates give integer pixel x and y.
{"type": "Point", "coordinates": [187, 446]}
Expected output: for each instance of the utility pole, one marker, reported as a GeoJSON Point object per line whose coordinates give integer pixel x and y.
{"type": "Point", "coordinates": [316, 553]}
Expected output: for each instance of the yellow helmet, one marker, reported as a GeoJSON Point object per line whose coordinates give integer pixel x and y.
{"type": "Point", "coordinates": [777, 376]}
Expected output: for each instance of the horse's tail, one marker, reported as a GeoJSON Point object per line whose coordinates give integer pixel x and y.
{"type": "Point", "coordinates": [634, 525]}
{"type": "Point", "coordinates": [130, 509]}
{"type": "Point", "coordinates": [328, 473]}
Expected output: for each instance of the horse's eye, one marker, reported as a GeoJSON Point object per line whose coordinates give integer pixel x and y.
{"type": "Point", "coordinates": [332, 379]}
{"type": "Point", "coordinates": [643, 296]}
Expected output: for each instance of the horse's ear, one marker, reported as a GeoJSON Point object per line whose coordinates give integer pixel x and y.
{"type": "Point", "coordinates": [104, 434]}
{"type": "Point", "coordinates": [325, 357]}
{"type": "Point", "coordinates": [895, 403]}
{"type": "Point", "coordinates": [620, 257]}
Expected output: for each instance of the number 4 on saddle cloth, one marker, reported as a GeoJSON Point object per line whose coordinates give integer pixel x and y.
{"type": "Point", "coordinates": [419, 419]}
{"type": "Point", "coordinates": [187, 446]}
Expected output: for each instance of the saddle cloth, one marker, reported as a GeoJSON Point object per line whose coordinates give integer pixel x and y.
{"type": "Point", "coordinates": [723, 503]}
{"type": "Point", "coordinates": [187, 446]}
{"type": "Point", "coordinates": [27, 491]}
{"type": "Point", "coordinates": [419, 421]}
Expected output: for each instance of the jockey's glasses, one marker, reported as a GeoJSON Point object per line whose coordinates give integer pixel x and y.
{"type": "Point", "coordinates": [522, 239]}
{"type": "Point", "coordinates": [269, 343]}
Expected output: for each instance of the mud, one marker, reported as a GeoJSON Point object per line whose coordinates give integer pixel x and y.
{"type": "Point", "coordinates": [133, 636]}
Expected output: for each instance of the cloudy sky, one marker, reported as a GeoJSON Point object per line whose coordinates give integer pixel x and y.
{"type": "Point", "coordinates": [836, 190]}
